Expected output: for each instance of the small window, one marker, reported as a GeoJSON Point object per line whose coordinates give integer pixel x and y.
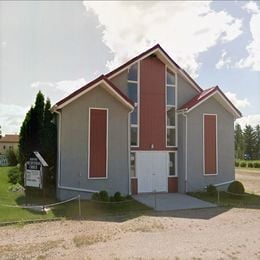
{"type": "Point", "coordinates": [132, 91]}
{"type": "Point", "coordinates": [134, 117]}
{"type": "Point", "coordinates": [170, 78]}
{"type": "Point", "coordinates": [170, 96]}
{"type": "Point", "coordinates": [170, 137]}
{"type": "Point", "coordinates": [132, 168]}
{"type": "Point", "coordinates": [134, 136]}
{"type": "Point", "coordinates": [172, 164]}
{"type": "Point", "coordinates": [132, 73]}
{"type": "Point", "coordinates": [170, 116]}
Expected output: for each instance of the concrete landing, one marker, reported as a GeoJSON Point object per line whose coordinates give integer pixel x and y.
{"type": "Point", "coordinates": [171, 201]}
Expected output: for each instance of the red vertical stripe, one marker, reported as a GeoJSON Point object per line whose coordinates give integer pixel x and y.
{"type": "Point", "coordinates": [152, 104]}
{"type": "Point", "coordinates": [210, 144]}
{"type": "Point", "coordinates": [98, 143]}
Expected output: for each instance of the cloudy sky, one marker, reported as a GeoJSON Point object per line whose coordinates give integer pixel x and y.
{"type": "Point", "coordinates": [56, 47]}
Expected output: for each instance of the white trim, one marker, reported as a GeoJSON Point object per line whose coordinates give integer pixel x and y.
{"type": "Point", "coordinates": [209, 96]}
{"type": "Point", "coordinates": [186, 152]}
{"type": "Point", "coordinates": [173, 66]}
{"type": "Point", "coordinates": [203, 144]}
{"type": "Point", "coordinates": [102, 81]}
{"type": "Point", "coordinates": [59, 147]}
{"type": "Point", "coordinates": [174, 86]}
{"type": "Point", "coordinates": [89, 126]}
{"type": "Point", "coordinates": [129, 151]}
{"type": "Point", "coordinates": [76, 189]}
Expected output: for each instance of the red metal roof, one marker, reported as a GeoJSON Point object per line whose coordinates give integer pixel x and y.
{"type": "Point", "coordinates": [203, 95]}
{"type": "Point", "coordinates": [108, 75]}
{"type": "Point", "coordinates": [198, 98]}
{"type": "Point", "coordinates": [90, 84]}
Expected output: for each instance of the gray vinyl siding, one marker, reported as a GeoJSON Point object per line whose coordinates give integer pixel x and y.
{"type": "Point", "coordinates": [185, 91]}
{"type": "Point", "coordinates": [74, 145]}
{"type": "Point", "coordinates": [120, 81]}
{"type": "Point", "coordinates": [181, 153]}
{"type": "Point", "coordinates": [225, 142]}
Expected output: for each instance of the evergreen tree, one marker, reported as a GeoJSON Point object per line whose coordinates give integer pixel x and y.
{"type": "Point", "coordinates": [249, 140]}
{"type": "Point", "coordinates": [38, 133]}
{"type": "Point", "coordinates": [49, 141]}
{"type": "Point", "coordinates": [239, 142]}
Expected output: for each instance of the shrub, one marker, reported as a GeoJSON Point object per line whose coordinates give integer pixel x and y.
{"type": "Point", "coordinates": [11, 157]}
{"type": "Point", "coordinates": [242, 164]}
{"type": "Point", "coordinates": [14, 176]}
{"type": "Point", "coordinates": [236, 187]}
{"type": "Point", "coordinates": [211, 189]}
{"type": "Point", "coordinates": [103, 195]}
{"type": "Point", "coordinates": [117, 196]}
{"type": "Point", "coordinates": [236, 163]}
{"type": "Point", "coordinates": [250, 165]}
{"type": "Point", "coordinates": [256, 164]}
{"type": "Point", "coordinates": [95, 196]}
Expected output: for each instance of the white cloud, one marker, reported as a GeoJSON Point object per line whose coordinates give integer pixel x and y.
{"type": "Point", "coordinates": [224, 61]}
{"type": "Point", "coordinates": [11, 117]}
{"type": "Point", "coordinates": [239, 103]}
{"type": "Point", "coordinates": [184, 29]}
{"type": "Point", "coordinates": [66, 86]}
{"type": "Point", "coordinates": [253, 48]}
{"type": "Point", "coordinates": [251, 7]}
{"type": "Point", "coordinates": [252, 120]}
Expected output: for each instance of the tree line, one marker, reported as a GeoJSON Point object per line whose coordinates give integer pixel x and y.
{"type": "Point", "coordinates": [247, 142]}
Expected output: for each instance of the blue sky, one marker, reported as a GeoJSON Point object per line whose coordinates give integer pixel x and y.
{"type": "Point", "coordinates": [59, 46]}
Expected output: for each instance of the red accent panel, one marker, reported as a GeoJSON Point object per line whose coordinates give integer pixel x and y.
{"type": "Point", "coordinates": [210, 144]}
{"type": "Point", "coordinates": [152, 104]}
{"type": "Point", "coordinates": [172, 184]}
{"type": "Point", "coordinates": [98, 143]}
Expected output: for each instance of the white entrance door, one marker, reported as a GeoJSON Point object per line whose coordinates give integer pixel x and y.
{"type": "Point", "coordinates": [152, 171]}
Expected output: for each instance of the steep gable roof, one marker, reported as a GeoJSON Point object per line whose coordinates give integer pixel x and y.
{"type": "Point", "coordinates": [164, 57]}
{"type": "Point", "coordinates": [204, 95]}
{"type": "Point", "coordinates": [112, 89]}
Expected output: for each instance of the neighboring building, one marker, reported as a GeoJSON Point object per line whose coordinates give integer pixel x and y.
{"type": "Point", "coordinates": [144, 127]}
{"type": "Point", "coordinates": [8, 142]}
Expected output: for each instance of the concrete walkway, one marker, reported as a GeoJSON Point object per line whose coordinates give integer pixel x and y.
{"type": "Point", "coordinates": [171, 201]}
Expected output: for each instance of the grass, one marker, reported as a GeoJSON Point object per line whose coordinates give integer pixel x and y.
{"type": "Point", "coordinates": [89, 209]}
{"type": "Point", "coordinates": [247, 200]}
{"type": "Point", "coordinates": [8, 214]}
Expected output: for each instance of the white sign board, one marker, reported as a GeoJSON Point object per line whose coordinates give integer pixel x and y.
{"type": "Point", "coordinates": [33, 173]}
{"type": "Point", "coordinates": [33, 178]}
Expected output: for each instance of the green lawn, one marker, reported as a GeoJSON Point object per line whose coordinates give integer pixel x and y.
{"type": "Point", "coordinates": [246, 200]}
{"type": "Point", "coordinates": [14, 198]}
{"type": "Point", "coordinates": [89, 209]}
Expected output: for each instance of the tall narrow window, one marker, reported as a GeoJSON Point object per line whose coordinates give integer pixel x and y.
{"type": "Point", "coordinates": [170, 109]}
{"type": "Point", "coordinates": [132, 170]}
{"type": "Point", "coordinates": [133, 95]}
{"type": "Point", "coordinates": [172, 161]}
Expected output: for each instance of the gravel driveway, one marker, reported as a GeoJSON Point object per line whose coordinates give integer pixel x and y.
{"type": "Point", "coordinates": [216, 233]}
